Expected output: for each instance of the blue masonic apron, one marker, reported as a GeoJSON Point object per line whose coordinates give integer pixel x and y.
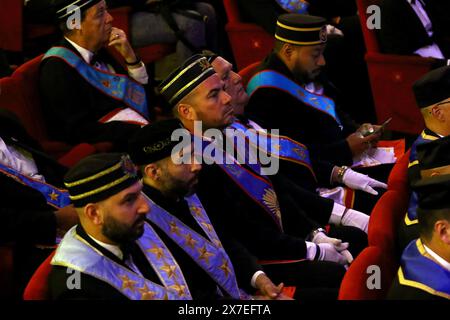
{"type": "Point", "coordinates": [75, 253]}
{"type": "Point", "coordinates": [207, 253]}
{"type": "Point", "coordinates": [418, 270]}
{"type": "Point", "coordinates": [119, 87]}
{"type": "Point", "coordinates": [273, 79]}
{"type": "Point", "coordinates": [411, 215]}
{"type": "Point", "coordinates": [55, 197]}
{"type": "Point", "coordinates": [279, 146]}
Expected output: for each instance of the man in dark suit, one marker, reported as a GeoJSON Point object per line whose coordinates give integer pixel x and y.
{"type": "Point", "coordinates": [169, 187]}
{"type": "Point", "coordinates": [87, 96]}
{"type": "Point", "coordinates": [415, 27]}
{"type": "Point", "coordinates": [432, 97]}
{"type": "Point", "coordinates": [424, 272]}
{"type": "Point", "coordinates": [126, 246]}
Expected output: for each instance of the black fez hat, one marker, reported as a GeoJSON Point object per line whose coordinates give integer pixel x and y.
{"type": "Point", "coordinates": [301, 29]}
{"type": "Point", "coordinates": [154, 141]}
{"type": "Point", "coordinates": [99, 177]}
{"type": "Point", "coordinates": [433, 87]}
{"type": "Point", "coordinates": [185, 78]}
{"type": "Point", "coordinates": [60, 7]}
{"type": "Point", "coordinates": [433, 193]}
{"type": "Point", "coordinates": [434, 157]}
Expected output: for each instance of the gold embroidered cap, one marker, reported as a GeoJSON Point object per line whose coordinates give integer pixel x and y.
{"type": "Point", "coordinates": [99, 177]}
{"type": "Point", "coordinates": [185, 78]}
{"type": "Point", "coordinates": [301, 30]}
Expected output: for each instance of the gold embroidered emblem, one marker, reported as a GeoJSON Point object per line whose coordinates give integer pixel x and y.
{"type": "Point", "coordinates": [106, 84]}
{"type": "Point", "coordinates": [190, 241]}
{"type": "Point", "coordinates": [157, 251]}
{"type": "Point", "coordinates": [54, 196]}
{"type": "Point", "coordinates": [179, 289]}
{"type": "Point", "coordinates": [196, 210]}
{"type": "Point", "coordinates": [204, 254]}
{"type": "Point", "coordinates": [174, 228]}
{"type": "Point", "coordinates": [127, 283]}
{"type": "Point", "coordinates": [225, 268]}
{"type": "Point", "coordinates": [270, 200]}
{"type": "Point", "coordinates": [207, 226]}
{"type": "Point", "coordinates": [170, 270]}
{"type": "Point", "coordinates": [204, 64]}
{"type": "Point", "coordinates": [146, 293]}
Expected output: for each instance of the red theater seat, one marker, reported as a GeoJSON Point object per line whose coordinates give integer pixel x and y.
{"type": "Point", "coordinates": [358, 282]}
{"type": "Point", "coordinates": [398, 178]}
{"type": "Point", "coordinates": [248, 72]}
{"type": "Point", "coordinates": [249, 42]}
{"type": "Point", "coordinates": [37, 288]}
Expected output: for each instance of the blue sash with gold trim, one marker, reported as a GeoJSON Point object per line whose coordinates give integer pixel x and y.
{"type": "Point", "coordinates": [208, 254]}
{"type": "Point", "coordinates": [75, 253]}
{"type": "Point", "coordinates": [270, 78]}
{"type": "Point", "coordinates": [411, 215]}
{"type": "Point", "coordinates": [285, 148]}
{"type": "Point", "coordinates": [420, 271]}
{"type": "Point", "coordinates": [297, 6]}
{"type": "Point", "coordinates": [255, 185]}
{"type": "Point", "coordinates": [119, 87]}
{"type": "Point", "coordinates": [55, 197]}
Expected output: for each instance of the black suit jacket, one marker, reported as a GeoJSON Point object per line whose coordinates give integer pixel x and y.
{"type": "Point", "coordinates": [72, 107]}
{"type": "Point", "coordinates": [402, 31]}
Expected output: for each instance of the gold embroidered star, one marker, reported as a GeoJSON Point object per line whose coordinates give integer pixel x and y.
{"type": "Point", "coordinates": [179, 289]}
{"type": "Point", "coordinates": [146, 293]}
{"type": "Point", "coordinates": [170, 270]}
{"type": "Point", "coordinates": [205, 254]}
{"type": "Point", "coordinates": [196, 210]}
{"type": "Point", "coordinates": [127, 283]}
{"type": "Point", "coordinates": [217, 243]}
{"type": "Point", "coordinates": [225, 268]}
{"type": "Point", "coordinates": [207, 226]}
{"type": "Point", "coordinates": [157, 251]}
{"type": "Point", "coordinates": [190, 241]}
{"type": "Point", "coordinates": [174, 228]}
{"type": "Point", "coordinates": [54, 196]}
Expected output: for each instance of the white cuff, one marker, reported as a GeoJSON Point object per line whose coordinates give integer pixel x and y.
{"type": "Point", "coordinates": [311, 250]}
{"type": "Point", "coordinates": [139, 74]}
{"type": "Point", "coordinates": [253, 281]}
{"type": "Point", "coordinates": [336, 214]}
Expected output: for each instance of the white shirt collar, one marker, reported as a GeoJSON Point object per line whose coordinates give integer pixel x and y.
{"type": "Point", "coordinates": [112, 248]}
{"type": "Point", "coordinates": [85, 53]}
{"type": "Point", "coordinates": [438, 258]}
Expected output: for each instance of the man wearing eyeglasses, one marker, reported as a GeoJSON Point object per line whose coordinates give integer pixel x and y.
{"type": "Point", "coordinates": [432, 94]}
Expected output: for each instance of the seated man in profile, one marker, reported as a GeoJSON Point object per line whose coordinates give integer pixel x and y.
{"type": "Point", "coordinates": [87, 96]}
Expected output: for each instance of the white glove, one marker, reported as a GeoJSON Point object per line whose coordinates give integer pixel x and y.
{"type": "Point", "coordinates": [356, 219]}
{"type": "Point", "coordinates": [329, 253]}
{"type": "Point", "coordinates": [340, 246]}
{"type": "Point", "coordinates": [358, 181]}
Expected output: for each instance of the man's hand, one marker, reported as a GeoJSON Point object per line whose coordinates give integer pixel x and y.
{"type": "Point", "coordinates": [358, 143]}
{"type": "Point", "coordinates": [359, 181]}
{"type": "Point", "coordinates": [267, 288]}
{"type": "Point", "coordinates": [118, 40]}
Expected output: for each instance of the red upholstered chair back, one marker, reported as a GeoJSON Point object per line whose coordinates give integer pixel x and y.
{"type": "Point", "coordinates": [30, 112]}
{"type": "Point", "coordinates": [391, 79]}
{"type": "Point", "coordinates": [398, 178]}
{"type": "Point", "coordinates": [356, 284]}
{"type": "Point", "coordinates": [248, 72]}
{"type": "Point", "coordinates": [37, 288]}
{"type": "Point", "coordinates": [249, 42]}
{"type": "Point", "coordinates": [385, 219]}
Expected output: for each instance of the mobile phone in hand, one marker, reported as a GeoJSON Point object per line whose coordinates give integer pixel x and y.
{"type": "Point", "coordinates": [380, 129]}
